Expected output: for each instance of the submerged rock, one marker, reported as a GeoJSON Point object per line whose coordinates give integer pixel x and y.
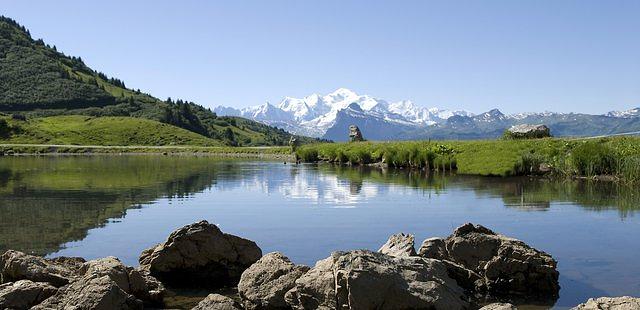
{"type": "Point", "coordinates": [499, 306]}
{"type": "Point", "coordinates": [15, 265]}
{"type": "Point", "coordinates": [24, 294]}
{"type": "Point", "coordinates": [508, 266]}
{"type": "Point", "coordinates": [264, 284]}
{"type": "Point", "coordinates": [217, 302]}
{"type": "Point", "coordinates": [400, 245]}
{"type": "Point", "coordinates": [200, 255]}
{"type": "Point", "coordinates": [610, 303]}
{"type": "Point", "coordinates": [368, 280]}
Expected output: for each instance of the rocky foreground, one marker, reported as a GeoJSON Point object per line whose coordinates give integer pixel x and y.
{"type": "Point", "coordinates": [471, 268]}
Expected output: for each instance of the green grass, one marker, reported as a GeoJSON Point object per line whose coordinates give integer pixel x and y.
{"type": "Point", "coordinates": [617, 156]}
{"type": "Point", "coordinates": [85, 130]}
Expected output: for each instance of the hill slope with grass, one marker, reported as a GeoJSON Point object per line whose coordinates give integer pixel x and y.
{"type": "Point", "coordinates": [37, 80]}
{"type": "Point", "coordinates": [88, 130]}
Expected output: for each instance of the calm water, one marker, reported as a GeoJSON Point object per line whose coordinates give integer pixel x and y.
{"type": "Point", "coordinates": [99, 206]}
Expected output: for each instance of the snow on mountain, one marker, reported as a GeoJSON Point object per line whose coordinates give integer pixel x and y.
{"type": "Point", "coordinates": [313, 115]}
{"type": "Point", "coordinates": [625, 114]}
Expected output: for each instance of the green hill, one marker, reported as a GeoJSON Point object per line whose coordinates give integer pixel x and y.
{"type": "Point", "coordinates": [108, 130]}
{"type": "Point", "coordinates": [36, 81]}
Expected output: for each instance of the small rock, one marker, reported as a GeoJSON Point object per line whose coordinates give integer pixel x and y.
{"type": "Point", "coordinates": [368, 280]}
{"type": "Point", "coordinates": [399, 245]}
{"type": "Point", "coordinates": [433, 248]}
{"type": "Point", "coordinates": [16, 266]}
{"type": "Point", "coordinates": [610, 303]}
{"type": "Point", "coordinates": [499, 306]}
{"type": "Point", "coordinates": [91, 292]}
{"type": "Point", "coordinates": [24, 294]}
{"type": "Point", "coordinates": [217, 302]}
{"type": "Point", "coordinates": [200, 255]}
{"type": "Point", "coordinates": [264, 284]}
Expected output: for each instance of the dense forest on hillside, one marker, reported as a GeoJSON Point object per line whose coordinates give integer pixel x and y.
{"type": "Point", "coordinates": [37, 80]}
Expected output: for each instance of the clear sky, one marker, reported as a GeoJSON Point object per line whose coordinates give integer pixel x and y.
{"type": "Point", "coordinates": [580, 55]}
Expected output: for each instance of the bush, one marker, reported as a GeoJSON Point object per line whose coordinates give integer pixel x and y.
{"type": "Point", "coordinates": [593, 158]}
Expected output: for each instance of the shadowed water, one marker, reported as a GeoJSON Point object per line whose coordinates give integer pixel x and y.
{"type": "Point", "coordinates": [97, 206]}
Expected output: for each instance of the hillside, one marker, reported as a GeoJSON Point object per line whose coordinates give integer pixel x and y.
{"type": "Point", "coordinates": [109, 130]}
{"type": "Point", "coordinates": [36, 80]}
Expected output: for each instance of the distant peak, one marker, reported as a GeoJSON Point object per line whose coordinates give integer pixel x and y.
{"type": "Point", "coordinates": [343, 92]}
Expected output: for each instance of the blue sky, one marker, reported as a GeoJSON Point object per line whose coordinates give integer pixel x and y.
{"type": "Point", "coordinates": [581, 55]}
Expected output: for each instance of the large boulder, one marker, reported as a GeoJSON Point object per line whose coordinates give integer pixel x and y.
{"type": "Point", "coordinates": [16, 266]}
{"type": "Point", "coordinates": [264, 284]}
{"type": "Point", "coordinates": [24, 294]}
{"type": "Point", "coordinates": [508, 266]}
{"type": "Point", "coordinates": [610, 303]}
{"type": "Point", "coordinates": [217, 302]}
{"type": "Point", "coordinates": [200, 255]}
{"type": "Point", "coordinates": [499, 306]}
{"type": "Point", "coordinates": [130, 280]}
{"type": "Point", "coordinates": [363, 279]}
{"type": "Point", "coordinates": [91, 292]}
{"type": "Point", "coordinates": [399, 245]}
{"type": "Point", "coordinates": [528, 131]}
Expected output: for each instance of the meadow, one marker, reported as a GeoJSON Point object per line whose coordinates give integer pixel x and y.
{"type": "Point", "coordinates": [617, 157]}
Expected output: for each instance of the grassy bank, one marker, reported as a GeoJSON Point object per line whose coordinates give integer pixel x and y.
{"type": "Point", "coordinates": [619, 156]}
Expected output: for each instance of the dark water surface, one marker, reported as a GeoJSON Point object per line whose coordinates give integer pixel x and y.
{"type": "Point", "coordinates": [97, 206]}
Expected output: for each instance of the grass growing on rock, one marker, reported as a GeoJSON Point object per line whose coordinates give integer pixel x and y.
{"type": "Point", "coordinates": [618, 156]}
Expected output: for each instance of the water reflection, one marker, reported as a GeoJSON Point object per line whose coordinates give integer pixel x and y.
{"type": "Point", "coordinates": [119, 205]}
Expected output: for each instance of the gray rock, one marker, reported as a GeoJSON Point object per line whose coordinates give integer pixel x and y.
{"type": "Point", "coordinates": [529, 131]}
{"type": "Point", "coordinates": [24, 294]}
{"type": "Point", "coordinates": [217, 302]}
{"type": "Point", "coordinates": [130, 280]}
{"type": "Point", "coordinates": [400, 245]}
{"type": "Point", "coordinates": [16, 266]}
{"type": "Point", "coordinates": [499, 306]}
{"type": "Point", "coordinates": [200, 255]}
{"type": "Point", "coordinates": [508, 266]}
{"type": "Point", "coordinates": [264, 284]}
{"type": "Point", "coordinates": [610, 303]}
{"type": "Point", "coordinates": [91, 292]}
{"type": "Point", "coordinates": [354, 134]}
{"type": "Point", "coordinates": [368, 280]}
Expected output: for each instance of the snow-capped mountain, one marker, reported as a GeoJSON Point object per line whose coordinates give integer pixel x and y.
{"type": "Point", "coordinates": [315, 115]}
{"type": "Point", "coordinates": [625, 114]}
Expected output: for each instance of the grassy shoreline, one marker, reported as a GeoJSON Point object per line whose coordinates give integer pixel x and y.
{"type": "Point", "coordinates": [280, 152]}
{"type": "Point", "coordinates": [616, 157]}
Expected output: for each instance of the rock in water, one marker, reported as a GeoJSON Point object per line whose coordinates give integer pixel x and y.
{"type": "Point", "coordinates": [217, 302]}
{"type": "Point", "coordinates": [508, 266]}
{"type": "Point", "coordinates": [91, 292]}
{"type": "Point", "coordinates": [16, 266]}
{"type": "Point", "coordinates": [368, 280]}
{"type": "Point", "coordinates": [200, 255]}
{"type": "Point", "coordinates": [610, 303]}
{"type": "Point", "coordinates": [24, 294]}
{"type": "Point", "coordinates": [355, 134]}
{"type": "Point", "coordinates": [264, 284]}
{"type": "Point", "coordinates": [499, 306]}
{"type": "Point", "coordinates": [399, 245]}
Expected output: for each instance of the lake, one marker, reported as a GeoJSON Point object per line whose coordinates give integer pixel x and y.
{"type": "Point", "coordinates": [96, 206]}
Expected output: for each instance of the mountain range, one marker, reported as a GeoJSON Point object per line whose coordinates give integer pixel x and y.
{"type": "Point", "coordinates": [329, 117]}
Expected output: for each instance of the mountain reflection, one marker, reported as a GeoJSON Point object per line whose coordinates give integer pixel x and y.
{"type": "Point", "coordinates": [48, 201]}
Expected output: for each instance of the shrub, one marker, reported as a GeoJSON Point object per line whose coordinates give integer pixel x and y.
{"type": "Point", "coordinates": [593, 158]}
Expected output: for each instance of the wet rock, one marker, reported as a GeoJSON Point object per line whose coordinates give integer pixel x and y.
{"type": "Point", "coordinates": [368, 280]}
{"type": "Point", "coordinates": [91, 292]}
{"type": "Point", "coordinates": [499, 306]}
{"type": "Point", "coordinates": [610, 303]}
{"type": "Point", "coordinates": [217, 302]}
{"type": "Point", "coordinates": [508, 266]}
{"type": "Point", "coordinates": [130, 280]}
{"type": "Point", "coordinates": [399, 245]}
{"type": "Point", "coordinates": [264, 284]}
{"type": "Point", "coordinates": [200, 255]}
{"type": "Point", "coordinates": [16, 266]}
{"type": "Point", "coordinates": [24, 294]}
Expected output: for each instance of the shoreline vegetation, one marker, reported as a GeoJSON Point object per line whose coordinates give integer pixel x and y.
{"type": "Point", "coordinates": [614, 158]}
